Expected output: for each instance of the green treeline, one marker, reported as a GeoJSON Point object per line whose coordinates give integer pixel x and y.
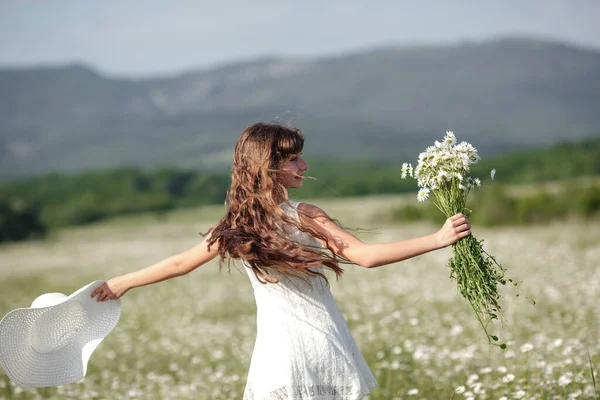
{"type": "Point", "coordinates": [563, 161]}
{"type": "Point", "coordinates": [65, 199]}
{"type": "Point", "coordinates": [497, 205]}
{"type": "Point", "coordinates": [30, 207]}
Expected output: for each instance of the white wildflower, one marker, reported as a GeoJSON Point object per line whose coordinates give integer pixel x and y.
{"type": "Point", "coordinates": [443, 176]}
{"type": "Point", "coordinates": [485, 370]}
{"type": "Point", "coordinates": [456, 330]}
{"type": "Point", "coordinates": [459, 390]}
{"type": "Point", "coordinates": [527, 347]}
{"type": "Point", "coordinates": [520, 394]}
{"type": "Point", "coordinates": [404, 170]}
{"type": "Point", "coordinates": [450, 139]}
{"type": "Point", "coordinates": [508, 378]}
{"type": "Point", "coordinates": [493, 173]}
{"type": "Point", "coordinates": [413, 392]}
{"type": "Point", "coordinates": [423, 194]}
{"type": "Point", "coordinates": [477, 388]}
{"type": "Point", "coordinates": [565, 379]}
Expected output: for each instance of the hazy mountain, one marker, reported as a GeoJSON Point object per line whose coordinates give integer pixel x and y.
{"type": "Point", "coordinates": [386, 103]}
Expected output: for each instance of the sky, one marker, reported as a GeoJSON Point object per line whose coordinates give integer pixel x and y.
{"type": "Point", "coordinates": [137, 38]}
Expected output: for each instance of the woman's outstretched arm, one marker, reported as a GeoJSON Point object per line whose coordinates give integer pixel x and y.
{"type": "Point", "coordinates": [170, 267]}
{"type": "Point", "coordinates": [378, 254]}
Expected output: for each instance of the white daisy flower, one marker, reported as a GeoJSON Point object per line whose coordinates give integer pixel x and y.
{"type": "Point", "coordinates": [493, 173]}
{"type": "Point", "coordinates": [413, 392]}
{"type": "Point", "coordinates": [460, 147]}
{"type": "Point", "coordinates": [443, 176]}
{"type": "Point", "coordinates": [519, 394]}
{"type": "Point", "coordinates": [508, 378]}
{"type": "Point", "coordinates": [565, 379]}
{"type": "Point", "coordinates": [526, 347]}
{"type": "Point", "coordinates": [450, 139]}
{"type": "Point", "coordinates": [404, 170]}
{"type": "Point", "coordinates": [423, 194]}
{"type": "Point", "coordinates": [459, 390]}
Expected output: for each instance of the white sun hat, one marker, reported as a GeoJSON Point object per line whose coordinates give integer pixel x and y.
{"type": "Point", "coordinates": [50, 343]}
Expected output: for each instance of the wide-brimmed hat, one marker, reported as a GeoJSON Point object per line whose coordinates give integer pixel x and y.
{"type": "Point", "coordinates": [50, 343]}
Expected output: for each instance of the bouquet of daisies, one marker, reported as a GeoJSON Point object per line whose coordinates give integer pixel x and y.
{"type": "Point", "coordinates": [443, 169]}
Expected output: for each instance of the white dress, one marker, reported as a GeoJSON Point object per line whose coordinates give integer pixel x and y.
{"type": "Point", "coordinates": [304, 349]}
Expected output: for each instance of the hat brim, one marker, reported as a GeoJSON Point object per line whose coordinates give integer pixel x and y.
{"type": "Point", "coordinates": [23, 362]}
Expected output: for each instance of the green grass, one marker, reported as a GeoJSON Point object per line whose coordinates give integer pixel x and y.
{"type": "Point", "coordinates": [192, 337]}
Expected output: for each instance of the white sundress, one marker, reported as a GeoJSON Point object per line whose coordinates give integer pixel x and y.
{"type": "Point", "coordinates": [304, 349]}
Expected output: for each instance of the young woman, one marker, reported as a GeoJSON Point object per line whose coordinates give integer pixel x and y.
{"type": "Point", "coordinates": [303, 347]}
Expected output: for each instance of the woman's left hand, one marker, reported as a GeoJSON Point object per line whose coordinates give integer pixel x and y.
{"type": "Point", "coordinates": [454, 229]}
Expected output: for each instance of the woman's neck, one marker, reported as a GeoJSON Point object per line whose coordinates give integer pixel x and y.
{"type": "Point", "coordinates": [280, 197]}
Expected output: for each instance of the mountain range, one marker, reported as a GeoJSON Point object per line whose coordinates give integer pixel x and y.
{"type": "Point", "coordinates": [385, 103]}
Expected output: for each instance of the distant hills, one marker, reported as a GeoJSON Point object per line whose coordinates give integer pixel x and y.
{"type": "Point", "coordinates": [388, 103]}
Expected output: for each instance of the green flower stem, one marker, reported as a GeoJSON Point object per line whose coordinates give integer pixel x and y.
{"type": "Point", "coordinates": [476, 273]}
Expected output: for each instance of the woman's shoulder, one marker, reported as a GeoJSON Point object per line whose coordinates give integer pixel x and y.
{"type": "Point", "coordinates": [311, 211]}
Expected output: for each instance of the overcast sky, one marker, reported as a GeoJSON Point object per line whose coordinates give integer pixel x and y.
{"type": "Point", "coordinates": [141, 38]}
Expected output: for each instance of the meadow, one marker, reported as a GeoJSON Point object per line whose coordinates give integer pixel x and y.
{"type": "Point", "coordinates": [192, 337]}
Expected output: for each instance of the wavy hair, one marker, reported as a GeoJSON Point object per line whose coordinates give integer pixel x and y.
{"type": "Point", "coordinates": [254, 226]}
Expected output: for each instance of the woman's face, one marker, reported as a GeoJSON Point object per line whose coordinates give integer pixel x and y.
{"type": "Point", "coordinates": [291, 171]}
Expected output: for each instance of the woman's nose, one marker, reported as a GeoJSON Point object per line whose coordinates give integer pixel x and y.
{"type": "Point", "coordinates": [304, 165]}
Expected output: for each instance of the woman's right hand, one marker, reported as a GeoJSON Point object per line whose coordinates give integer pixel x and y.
{"type": "Point", "coordinates": [112, 289]}
{"type": "Point", "coordinates": [454, 229]}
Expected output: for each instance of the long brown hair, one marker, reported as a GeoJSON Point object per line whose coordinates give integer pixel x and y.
{"type": "Point", "coordinates": [251, 229]}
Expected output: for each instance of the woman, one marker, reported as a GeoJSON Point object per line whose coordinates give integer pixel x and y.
{"type": "Point", "coordinates": [303, 347]}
